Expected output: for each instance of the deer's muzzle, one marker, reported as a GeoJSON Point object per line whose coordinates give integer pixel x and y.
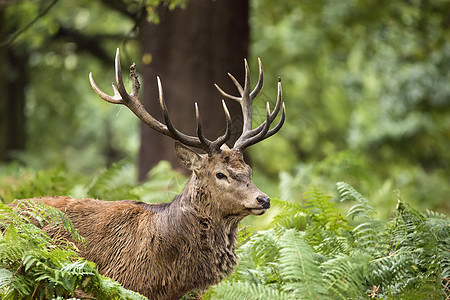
{"type": "Point", "coordinates": [264, 201]}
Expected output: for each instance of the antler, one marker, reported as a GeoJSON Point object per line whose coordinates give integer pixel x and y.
{"type": "Point", "coordinates": [121, 96]}
{"type": "Point", "coordinates": [251, 136]}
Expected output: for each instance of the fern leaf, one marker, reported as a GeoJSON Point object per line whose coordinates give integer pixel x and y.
{"type": "Point", "coordinates": [323, 212]}
{"type": "Point", "coordinates": [6, 277]}
{"type": "Point", "coordinates": [369, 236]}
{"type": "Point", "coordinates": [291, 215]}
{"type": "Point", "coordinates": [110, 184]}
{"type": "Point", "coordinates": [247, 291]}
{"type": "Point", "coordinates": [344, 275]}
{"type": "Point", "coordinates": [361, 208]}
{"type": "Point", "coordinates": [298, 267]}
{"type": "Point", "coordinates": [331, 244]}
{"type": "Point", "coordinates": [79, 267]}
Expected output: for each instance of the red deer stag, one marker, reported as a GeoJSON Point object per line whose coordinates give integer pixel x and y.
{"type": "Point", "coordinates": [165, 250]}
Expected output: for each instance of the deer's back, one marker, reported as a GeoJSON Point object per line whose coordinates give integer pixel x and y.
{"type": "Point", "coordinates": [122, 239]}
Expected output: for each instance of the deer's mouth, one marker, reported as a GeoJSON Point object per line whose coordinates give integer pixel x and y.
{"type": "Point", "coordinates": [257, 211]}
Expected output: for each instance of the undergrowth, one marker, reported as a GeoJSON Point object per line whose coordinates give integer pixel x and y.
{"type": "Point", "coordinates": [35, 266]}
{"type": "Point", "coordinates": [115, 183]}
{"type": "Point", "coordinates": [314, 250]}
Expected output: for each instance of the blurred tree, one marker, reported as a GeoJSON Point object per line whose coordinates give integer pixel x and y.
{"type": "Point", "coordinates": [13, 80]}
{"type": "Point", "coordinates": [191, 49]}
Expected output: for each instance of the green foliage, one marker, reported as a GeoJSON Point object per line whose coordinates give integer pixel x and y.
{"type": "Point", "coordinates": [163, 184]}
{"type": "Point", "coordinates": [367, 95]}
{"type": "Point", "coordinates": [115, 183]}
{"type": "Point", "coordinates": [112, 183]}
{"type": "Point", "coordinates": [337, 257]}
{"type": "Point", "coordinates": [17, 182]}
{"type": "Point", "coordinates": [35, 266]}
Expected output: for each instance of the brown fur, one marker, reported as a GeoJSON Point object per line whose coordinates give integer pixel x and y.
{"type": "Point", "coordinates": [165, 250]}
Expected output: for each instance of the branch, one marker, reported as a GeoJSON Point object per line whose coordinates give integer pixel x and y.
{"type": "Point", "coordinates": [121, 7]}
{"type": "Point", "coordinates": [12, 38]}
{"type": "Point", "coordinates": [88, 43]}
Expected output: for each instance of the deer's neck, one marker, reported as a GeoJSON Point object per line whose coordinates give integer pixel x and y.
{"type": "Point", "coordinates": [194, 221]}
{"type": "Point", "coordinates": [197, 204]}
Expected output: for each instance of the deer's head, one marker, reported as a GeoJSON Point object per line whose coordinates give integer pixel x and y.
{"type": "Point", "coordinates": [227, 180]}
{"type": "Point", "coordinates": [221, 170]}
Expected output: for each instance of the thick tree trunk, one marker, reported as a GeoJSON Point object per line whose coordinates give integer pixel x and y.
{"type": "Point", "coordinates": [13, 80]}
{"type": "Point", "coordinates": [191, 49]}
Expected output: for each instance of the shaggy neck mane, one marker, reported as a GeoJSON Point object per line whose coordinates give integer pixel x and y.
{"type": "Point", "coordinates": [193, 224]}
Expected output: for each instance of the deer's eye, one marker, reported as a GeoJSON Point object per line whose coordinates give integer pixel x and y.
{"type": "Point", "coordinates": [221, 176]}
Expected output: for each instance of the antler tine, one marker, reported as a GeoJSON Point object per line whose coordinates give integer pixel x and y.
{"type": "Point", "coordinates": [260, 83]}
{"type": "Point", "coordinates": [116, 99]}
{"type": "Point", "coordinates": [213, 146]}
{"type": "Point", "coordinates": [279, 125]}
{"type": "Point", "coordinates": [252, 136]}
{"type": "Point", "coordinates": [174, 133]}
{"type": "Point", "coordinates": [255, 91]}
{"type": "Point", "coordinates": [226, 95]}
{"type": "Point", "coordinates": [119, 79]}
{"type": "Point", "coordinates": [237, 84]}
{"type": "Point", "coordinates": [245, 99]}
{"type": "Point", "coordinates": [135, 82]}
{"type": "Point", "coordinates": [272, 115]}
{"type": "Point", "coordinates": [202, 138]}
{"type": "Point", "coordinates": [255, 139]}
{"type": "Point", "coordinates": [226, 136]}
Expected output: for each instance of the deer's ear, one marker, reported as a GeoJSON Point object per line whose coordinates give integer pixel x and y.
{"type": "Point", "coordinates": [187, 157]}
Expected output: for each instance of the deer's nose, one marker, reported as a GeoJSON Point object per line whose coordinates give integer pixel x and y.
{"type": "Point", "coordinates": [264, 201]}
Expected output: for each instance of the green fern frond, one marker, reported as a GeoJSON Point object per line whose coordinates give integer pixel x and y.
{"type": "Point", "coordinates": [323, 212]}
{"type": "Point", "coordinates": [417, 257]}
{"type": "Point", "coordinates": [6, 278]}
{"type": "Point", "coordinates": [247, 291]}
{"type": "Point", "coordinates": [299, 268]}
{"type": "Point", "coordinates": [407, 258]}
{"type": "Point", "coordinates": [36, 211]}
{"type": "Point", "coordinates": [163, 185]}
{"type": "Point", "coordinates": [106, 288]}
{"type": "Point", "coordinates": [331, 244]}
{"type": "Point", "coordinates": [361, 208]}
{"type": "Point", "coordinates": [263, 248]}
{"type": "Point", "coordinates": [78, 268]}
{"type": "Point", "coordinates": [33, 264]}
{"type": "Point", "coordinates": [110, 183]}
{"type": "Point", "coordinates": [370, 236]}
{"type": "Point", "coordinates": [344, 275]}
{"type": "Point", "coordinates": [244, 234]}
{"type": "Point", "coordinates": [347, 192]}
{"type": "Point", "coordinates": [291, 215]}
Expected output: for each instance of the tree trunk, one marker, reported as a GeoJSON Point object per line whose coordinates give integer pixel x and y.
{"type": "Point", "coordinates": [13, 80]}
{"type": "Point", "coordinates": [191, 49]}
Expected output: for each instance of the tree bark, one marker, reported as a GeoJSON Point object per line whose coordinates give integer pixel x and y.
{"type": "Point", "coordinates": [191, 49]}
{"type": "Point", "coordinates": [13, 80]}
